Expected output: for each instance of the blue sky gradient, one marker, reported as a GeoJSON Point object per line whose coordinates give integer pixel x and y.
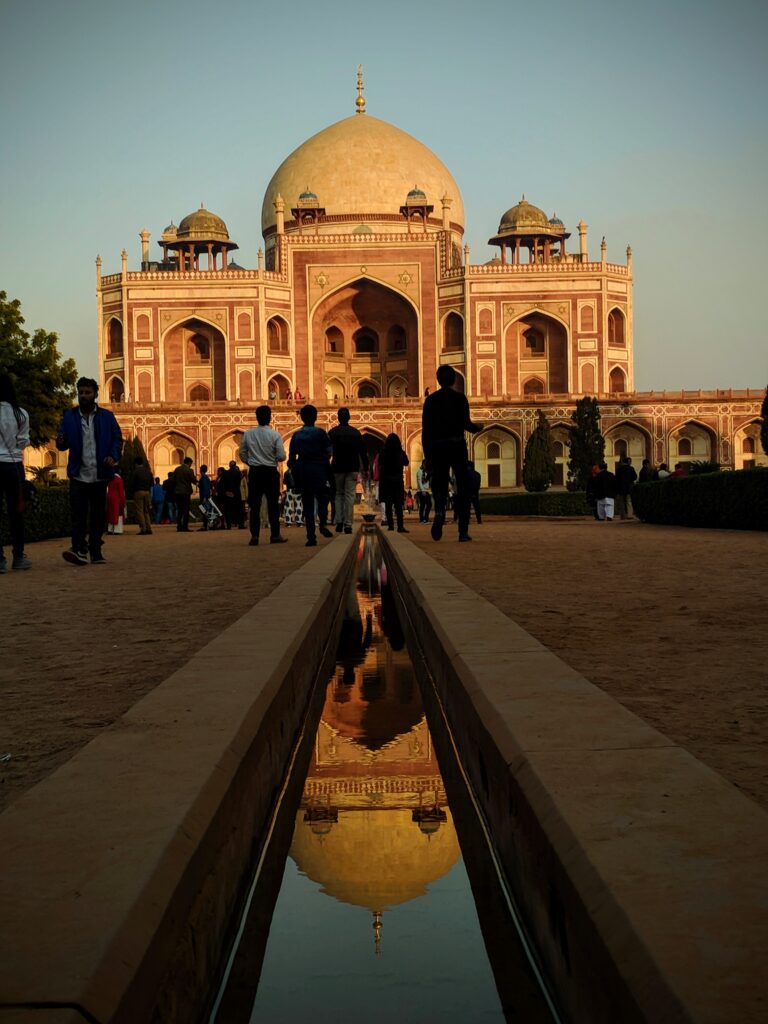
{"type": "Point", "coordinates": [649, 122]}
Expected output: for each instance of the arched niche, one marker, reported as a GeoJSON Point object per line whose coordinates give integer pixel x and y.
{"type": "Point", "coordinates": [616, 328]}
{"type": "Point", "coordinates": [617, 381]}
{"type": "Point", "coordinates": [142, 327]}
{"type": "Point", "coordinates": [194, 352]}
{"type": "Point", "coordinates": [116, 390]}
{"type": "Point", "coordinates": [537, 346]}
{"type": "Point", "coordinates": [169, 451]}
{"type": "Point", "coordinates": [397, 387]}
{"type": "Point", "coordinates": [334, 390]}
{"type": "Point", "coordinates": [199, 393]}
{"type": "Point", "coordinates": [453, 333]}
{"type": "Point", "coordinates": [245, 388]}
{"type": "Point", "coordinates": [277, 336]}
{"type": "Point", "coordinates": [560, 435]}
{"type": "Point", "coordinates": [533, 386]}
{"type": "Point", "coordinates": [629, 439]}
{"type": "Point", "coordinates": [350, 317]}
{"type": "Point", "coordinates": [367, 389]}
{"type": "Point", "coordinates": [747, 448]}
{"type": "Point", "coordinates": [279, 387]}
{"type": "Point", "coordinates": [227, 448]}
{"type": "Point", "coordinates": [692, 442]}
{"type": "Point", "coordinates": [496, 457]}
{"type": "Point", "coordinates": [144, 386]}
{"type": "Point", "coordinates": [114, 337]}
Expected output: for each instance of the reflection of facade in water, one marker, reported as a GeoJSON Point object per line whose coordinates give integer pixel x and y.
{"type": "Point", "coordinates": [373, 829]}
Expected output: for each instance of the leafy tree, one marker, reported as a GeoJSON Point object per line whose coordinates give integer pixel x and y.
{"type": "Point", "coordinates": [539, 462]}
{"type": "Point", "coordinates": [586, 445]}
{"type": "Point", "coordinates": [44, 383]}
{"type": "Point", "coordinates": [764, 424]}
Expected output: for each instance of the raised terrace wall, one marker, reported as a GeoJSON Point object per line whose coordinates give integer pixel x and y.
{"type": "Point", "coordinates": [121, 871]}
{"type": "Point", "coordinates": [640, 872]}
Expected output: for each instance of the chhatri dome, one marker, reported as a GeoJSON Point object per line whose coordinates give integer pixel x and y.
{"type": "Point", "coordinates": [362, 166]}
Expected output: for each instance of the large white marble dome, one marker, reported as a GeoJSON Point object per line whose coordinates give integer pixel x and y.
{"type": "Point", "coordinates": [360, 167]}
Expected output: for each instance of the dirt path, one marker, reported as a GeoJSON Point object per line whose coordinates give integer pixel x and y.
{"type": "Point", "coordinates": [83, 644]}
{"type": "Point", "coordinates": [670, 622]}
{"type": "Point", "coordinates": [673, 623]}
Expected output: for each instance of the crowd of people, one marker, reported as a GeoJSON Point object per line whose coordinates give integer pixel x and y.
{"type": "Point", "coordinates": [325, 475]}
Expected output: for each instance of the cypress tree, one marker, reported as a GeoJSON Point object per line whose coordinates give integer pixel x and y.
{"type": "Point", "coordinates": [586, 445]}
{"type": "Point", "coordinates": [539, 463]}
{"type": "Point", "coordinates": [764, 424]}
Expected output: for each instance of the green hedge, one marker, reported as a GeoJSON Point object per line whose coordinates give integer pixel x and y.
{"type": "Point", "coordinates": [730, 501]}
{"type": "Point", "coordinates": [50, 517]}
{"type": "Point", "coordinates": [547, 503]}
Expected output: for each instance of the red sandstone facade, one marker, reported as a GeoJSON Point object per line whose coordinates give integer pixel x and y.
{"type": "Point", "coordinates": [361, 308]}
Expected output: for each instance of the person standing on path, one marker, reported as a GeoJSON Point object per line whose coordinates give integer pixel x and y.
{"type": "Point", "coordinates": [308, 455]}
{"type": "Point", "coordinates": [229, 492]}
{"type": "Point", "coordinates": [158, 500]}
{"type": "Point", "coordinates": [94, 441]}
{"type": "Point", "coordinates": [445, 418]}
{"type": "Point", "coordinates": [423, 496]}
{"type": "Point", "coordinates": [349, 459]}
{"type": "Point", "coordinates": [140, 485]}
{"type": "Point", "coordinates": [115, 504]}
{"type": "Point", "coordinates": [604, 489]}
{"type": "Point", "coordinates": [204, 490]}
{"type": "Point", "coordinates": [184, 480]}
{"type": "Point", "coordinates": [473, 490]}
{"type": "Point", "coordinates": [392, 462]}
{"type": "Point", "coordinates": [261, 450]}
{"type": "Point", "coordinates": [625, 481]}
{"type": "Point", "coordinates": [14, 438]}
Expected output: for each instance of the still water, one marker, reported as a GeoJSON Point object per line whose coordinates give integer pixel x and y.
{"type": "Point", "coordinates": [375, 916]}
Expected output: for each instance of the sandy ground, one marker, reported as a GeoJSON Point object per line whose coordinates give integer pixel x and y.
{"type": "Point", "coordinates": [82, 644]}
{"type": "Point", "coordinates": [670, 622]}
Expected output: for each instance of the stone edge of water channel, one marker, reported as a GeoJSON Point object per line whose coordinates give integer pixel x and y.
{"type": "Point", "coordinates": [639, 871]}
{"type": "Point", "coordinates": [120, 871]}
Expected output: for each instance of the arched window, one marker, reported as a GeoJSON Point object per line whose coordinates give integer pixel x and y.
{"type": "Point", "coordinates": [243, 325]}
{"type": "Point", "coordinates": [616, 327]}
{"type": "Point", "coordinates": [453, 333]}
{"type": "Point", "coordinates": [116, 390]}
{"type": "Point", "coordinates": [684, 446]}
{"type": "Point", "coordinates": [485, 321]}
{"type": "Point", "coordinates": [279, 387]}
{"type": "Point", "coordinates": [367, 390]}
{"type": "Point", "coordinates": [588, 379]}
{"type": "Point", "coordinates": [748, 446]}
{"type": "Point", "coordinates": [115, 338]}
{"type": "Point", "coordinates": [366, 343]}
{"type": "Point", "coordinates": [199, 393]}
{"type": "Point", "coordinates": [493, 450]}
{"type": "Point", "coordinates": [616, 381]}
{"type": "Point", "coordinates": [533, 343]}
{"type": "Point", "coordinates": [245, 385]}
{"type": "Point", "coordinates": [533, 386]}
{"type": "Point", "coordinates": [587, 318]}
{"type": "Point", "coordinates": [145, 387]}
{"type": "Point", "coordinates": [486, 380]}
{"type": "Point", "coordinates": [277, 335]}
{"type": "Point", "coordinates": [620, 448]}
{"type": "Point", "coordinates": [198, 349]}
{"type": "Point", "coordinates": [334, 341]}
{"type": "Point", "coordinates": [396, 339]}
{"type": "Point", "coordinates": [142, 327]}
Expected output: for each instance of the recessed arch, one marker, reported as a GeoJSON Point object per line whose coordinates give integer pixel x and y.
{"type": "Point", "coordinates": [279, 387]}
{"type": "Point", "coordinates": [499, 467]}
{"type": "Point", "coordinates": [534, 386]}
{"type": "Point", "coordinates": [617, 381]}
{"type": "Point", "coordinates": [335, 390]}
{"type": "Point", "coordinates": [334, 340]}
{"type": "Point", "coordinates": [703, 442]}
{"type": "Point", "coordinates": [199, 393]}
{"type": "Point", "coordinates": [747, 448]}
{"type": "Point", "coordinates": [552, 365]}
{"type": "Point", "coordinates": [452, 332]}
{"type": "Point", "coordinates": [114, 337]}
{"type": "Point", "coordinates": [617, 331]}
{"type": "Point", "coordinates": [365, 341]}
{"type": "Point", "coordinates": [367, 388]}
{"type": "Point", "coordinates": [358, 281]}
{"type": "Point", "coordinates": [397, 387]}
{"type": "Point", "coordinates": [169, 449]}
{"type": "Point", "coordinates": [226, 447]}
{"type": "Point", "coordinates": [193, 351]}
{"type": "Point", "coordinates": [278, 342]}
{"type": "Point", "coordinates": [116, 389]}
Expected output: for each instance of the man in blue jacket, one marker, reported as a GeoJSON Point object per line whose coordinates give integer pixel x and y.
{"type": "Point", "coordinates": [94, 441]}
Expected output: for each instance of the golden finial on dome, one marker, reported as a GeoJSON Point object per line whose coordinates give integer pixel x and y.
{"type": "Point", "coordinates": [360, 101]}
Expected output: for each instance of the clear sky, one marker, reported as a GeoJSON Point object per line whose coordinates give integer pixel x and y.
{"type": "Point", "coordinates": [647, 120]}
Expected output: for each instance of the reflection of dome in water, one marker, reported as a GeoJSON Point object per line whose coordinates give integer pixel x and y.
{"type": "Point", "coordinates": [362, 165]}
{"type": "Point", "coordinates": [375, 859]}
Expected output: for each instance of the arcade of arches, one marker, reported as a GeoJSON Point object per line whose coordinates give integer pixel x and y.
{"type": "Point", "coordinates": [367, 335]}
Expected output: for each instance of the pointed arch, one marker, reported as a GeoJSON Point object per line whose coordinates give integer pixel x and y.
{"type": "Point", "coordinates": [199, 393]}
{"type": "Point", "coordinates": [617, 329]}
{"type": "Point", "coordinates": [335, 390]}
{"type": "Point", "coordinates": [617, 381]}
{"type": "Point", "coordinates": [114, 337]}
{"type": "Point", "coordinates": [279, 387]}
{"type": "Point", "coordinates": [184, 361]}
{"type": "Point", "coordinates": [499, 466]}
{"type": "Point", "coordinates": [227, 446]}
{"type": "Point", "coordinates": [278, 336]}
{"type": "Point", "coordinates": [397, 387]}
{"type": "Point", "coordinates": [169, 449]}
{"type": "Point", "coordinates": [534, 386]}
{"type": "Point", "coordinates": [367, 388]}
{"type": "Point", "coordinates": [116, 389]}
{"type": "Point", "coordinates": [452, 332]}
{"type": "Point", "coordinates": [703, 442]}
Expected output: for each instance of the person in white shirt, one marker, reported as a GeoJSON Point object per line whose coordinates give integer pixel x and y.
{"type": "Point", "coordinates": [261, 450]}
{"type": "Point", "coordinates": [14, 438]}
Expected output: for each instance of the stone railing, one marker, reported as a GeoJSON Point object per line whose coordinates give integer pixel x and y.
{"type": "Point", "coordinates": [593, 267]}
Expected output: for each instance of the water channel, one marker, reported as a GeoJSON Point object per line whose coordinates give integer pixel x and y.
{"type": "Point", "coordinates": [377, 895]}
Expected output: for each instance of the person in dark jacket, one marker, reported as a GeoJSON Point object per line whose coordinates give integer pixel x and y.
{"type": "Point", "coordinates": [140, 487]}
{"type": "Point", "coordinates": [445, 418]}
{"type": "Point", "coordinates": [349, 458]}
{"type": "Point", "coordinates": [308, 455]}
{"type": "Point", "coordinates": [473, 489]}
{"type": "Point", "coordinates": [169, 488]}
{"type": "Point", "coordinates": [392, 461]}
{"type": "Point", "coordinates": [228, 491]}
{"type": "Point", "coordinates": [646, 472]}
{"type": "Point", "coordinates": [625, 481]}
{"type": "Point", "coordinates": [94, 441]}
{"type": "Point", "coordinates": [184, 480]}
{"type": "Point", "coordinates": [204, 489]}
{"type": "Point", "coordinates": [604, 488]}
